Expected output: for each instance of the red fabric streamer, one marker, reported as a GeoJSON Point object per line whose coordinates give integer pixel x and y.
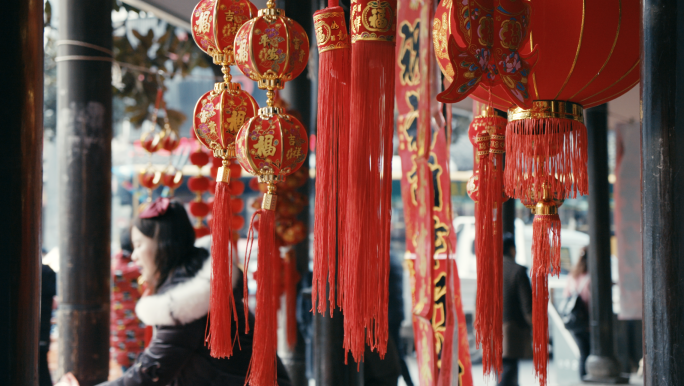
{"type": "Point", "coordinates": [222, 302]}
{"type": "Point", "coordinates": [546, 258]}
{"type": "Point", "coordinates": [547, 147]}
{"type": "Point", "coordinates": [332, 150]}
{"type": "Point", "coordinates": [366, 246]}
{"type": "Point", "coordinates": [262, 367]}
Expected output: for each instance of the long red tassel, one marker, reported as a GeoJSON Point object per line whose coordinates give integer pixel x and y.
{"type": "Point", "coordinates": [486, 295]}
{"type": "Point", "coordinates": [366, 238]}
{"type": "Point", "coordinates": [495, 195]}
{"type": "Point", "coordinates": [548, 147]}
{"type": "Point", "coordinates": [222, 301]}
{"type": "Point", "coordinates": [546, 259]}
{"type": "Point", "coordinates": [262, 367]}
{"type": "Point", "coordinates": [331, 153]}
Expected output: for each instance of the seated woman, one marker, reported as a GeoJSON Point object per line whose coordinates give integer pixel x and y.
{"type": "Point", "coordinates": [178, 274]}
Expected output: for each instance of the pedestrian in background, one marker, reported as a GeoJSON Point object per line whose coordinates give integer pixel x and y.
{"type": "Point", "coordinates": [578, 286]}
{"type": "Point", "coordinates": [48, 290]}
{"type": "Point", "coordinates": [517, 313]}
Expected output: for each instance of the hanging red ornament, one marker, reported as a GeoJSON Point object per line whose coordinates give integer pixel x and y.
{"type": "Point", "coordinates": [172, 178]}
{"type": "Point", "coordinates": [270, 49]}
{"type": "Point", "coordinates": [587, 57]}
{"type": "Point", "coordinates": [215, 24]}
{"type": "Point", "coordinates": [270, 146]}
{"type": "Point", "coordinates": [332, 153]}
{"type": "Point", "coordinates": [217, 118]}
{"type": "Point", "coordinates": [486, 189]}
{"type": "Point", "coordinates": [365, 262]}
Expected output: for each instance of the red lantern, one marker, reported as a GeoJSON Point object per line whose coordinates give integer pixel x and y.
{"type": "Point", "coordinates": [215, 24]}
{"type": "Point", "coordinates": [151, 141]}
{"type": "Point", "coordinates": [586, 57]}
{"type": "Point", "coordinates": [172, 179]}
{"type": "Point", "coordinates": [149, 179]}
{"type": "Point", "coordinates": [587, 54]}
{"type": "Point", "coordinates": [218, 116]}
{"type": "Point", "coordinates": [170, 142]}
{"type": "Point", "coordinates": [271, 48]}
{"type": "Point", "coordinates": [199, 158]}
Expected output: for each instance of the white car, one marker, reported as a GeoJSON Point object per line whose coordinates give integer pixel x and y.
{"type": "Point", "coordinates": [572, 243]}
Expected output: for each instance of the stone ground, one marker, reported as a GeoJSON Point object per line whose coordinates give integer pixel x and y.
{"type": "Point", "coordinates": [526, 375]}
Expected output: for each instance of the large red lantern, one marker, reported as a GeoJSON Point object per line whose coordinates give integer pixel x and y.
{"type": "Point", "coordinates": [586, 56]}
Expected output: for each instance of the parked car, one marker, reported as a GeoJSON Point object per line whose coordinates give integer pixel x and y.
{"type": "Point", "coordinates": [572, 243]}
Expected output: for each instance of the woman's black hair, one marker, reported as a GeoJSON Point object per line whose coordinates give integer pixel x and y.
{"type": "Point", "coordinates": [175, 238]}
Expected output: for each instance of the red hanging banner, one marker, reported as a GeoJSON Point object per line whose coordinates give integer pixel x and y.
{"type": "Point", "coordinates": [425, 186]}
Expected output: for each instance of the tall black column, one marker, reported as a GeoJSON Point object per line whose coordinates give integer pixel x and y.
{"type": "Point", "coordinates": [21, 151]}
{"type": "Point", "coordinates": [662, 157]}
{"type": "Point", "coordinates": [601, 364]}
{"type": "Point", "coordinates": [508, 216]}
{"type": "Point", "coordinates": [84, 135]}
{"type": "Point", "coordinates": [297, 93]}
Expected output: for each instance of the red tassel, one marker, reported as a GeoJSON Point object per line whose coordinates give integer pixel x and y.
{"type": "Point", "coordinates": [547, 147]}
{"type": "Point", "coordinates": [331, 154]}
{"type": "Point", "coordinates": [291, 279]}
{"type": "Point", "coordinates": [222, 302]}
{"type": "Point", "coordinates": [366, 246]}
{"type": "Point", "coordinates": [546, 258]}
{"type": "Point", "coordinates": [487, 134]}
{"type": "Point", "coordinates": [486, 292]}
{"type": "Point", "coordinates": [262, 367]}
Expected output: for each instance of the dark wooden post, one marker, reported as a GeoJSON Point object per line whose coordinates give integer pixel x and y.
{"type": "Point", "coordinates": [297, 93]}
{"type": "Point", "coordinates": [84, 135]}
{"type": "Point", "coordinates": [662, 157]}
{"type": "Point", "coordinates": [601, 364]}
{"type": "Point", "coordinates": [21, 154]}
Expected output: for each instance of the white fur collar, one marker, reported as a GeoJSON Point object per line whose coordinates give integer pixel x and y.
{"type": "Point", "coordinates": [182, 304]}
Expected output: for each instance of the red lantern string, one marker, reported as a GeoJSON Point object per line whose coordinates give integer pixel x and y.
{"type": "Point", "coordinates": [334, 71]}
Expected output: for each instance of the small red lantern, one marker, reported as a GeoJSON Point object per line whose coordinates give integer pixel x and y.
{"type": "Point", "coordinates": [149, 179]}
{"type": "Point", "coordinates": [215, 24]}
{"type": "Point", "coordinates": [172, 178]}
{"type": "Point", "coordinates": [218, 116]}
{"type": "Point", "coordinates": [271, 48]}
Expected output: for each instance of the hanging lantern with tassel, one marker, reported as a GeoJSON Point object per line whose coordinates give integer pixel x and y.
{"type": "Point", "coordinates": [270, 146]}
{"type": "Point", "coordinates": [217, 118]}
{"type": "Point", "coordinates": [270, 49]}
{"type": "Point", "coordinates": [332, 157]}
{"type": "Point", "coordinates": [486, 189]}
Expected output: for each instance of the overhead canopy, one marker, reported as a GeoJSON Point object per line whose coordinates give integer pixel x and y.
{"type": "Point", "coordinates": [176, 12]}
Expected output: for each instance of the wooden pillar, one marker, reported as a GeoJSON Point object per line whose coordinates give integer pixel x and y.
{"type": "Point", "coordinates": [297, 93]}
{"type": "Point", "coordinates": [21, 153]}
{"type": "Point", "coordinates": [662, 168]}
{"type": "Point", "coordinates": [84, 135]}
{"type": "Point", "coordinates": [601, 364]}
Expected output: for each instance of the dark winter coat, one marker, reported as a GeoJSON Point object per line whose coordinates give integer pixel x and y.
{"type": "Point", "coordinates": [517, 310]}
{"type": "Point", "coordinates": [177, 354]}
